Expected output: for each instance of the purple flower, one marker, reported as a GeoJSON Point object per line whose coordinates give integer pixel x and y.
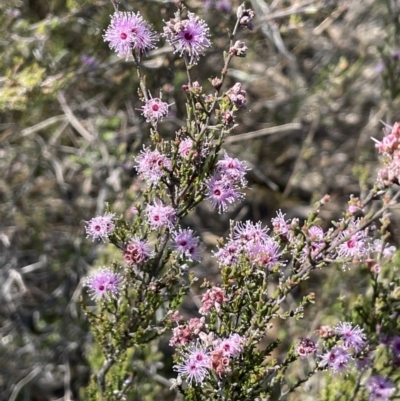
{"type": "Point", "coordinates": [190, 35]}
{"type": "Point", "coordinates": [229, 254]}
{"type": "Point", "coordinates": [337, 359]}
{"type": "Point", "coordinates": [186, 244]}
{"type": "Point", "coordinates": [221, 193]}
{"type": "Point", "coordinates": [155, 109]}
{"type": "Point", "coordinates": [231, 346]}
{"type": "Point", "coordinates": [104, 283]}
{"type": "Point", "coordinates": [396, 346]}
{"type": "Point", "coordinates": [250, 232]}
{"type": "Point", "coordinates": [279, 224]}
{"type": "Point", "coordinates": [380, 388]}
{"type": "Point", "coordinates": [160, 216]}
{"type": "Point", "coordinates": [151, 165]}
{"type": "Point", "coordinates": [129, 31]}
{"type": "Point", "coordinates": [194, 366]}
{"type": "Point", "coordinates": [353, 337]}
{"type": "Point", "coordinates": [233, 169]}
{"type": "Point", "coordinates": [100, 227]}
{"type": "Point", "coordinates": [137, 251]}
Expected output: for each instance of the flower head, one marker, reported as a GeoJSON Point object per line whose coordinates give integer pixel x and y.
{"type": "Point", "coordinates": [233, 169]}
{"type": "Point", "coordinates": [189, 35]}
{"type": "Point", "coordinates": [151, 165]}
{"type": "Point", "coordinates": [186, 244]}
{"type": "Point", "coordinates": [353, 337]}
{"type": "Point", "coordinates": [137, 251]}
{"type": "Point", "coordinates": [128, 31]}
{"type": "Point", "coordinates": [354, 246]}
{"type": "Point", "coordinates": [231, 346]}
{"type": "Point", "coordinates": [221, 193]}
{"type": "Point", "coordinates": [212, 298]}
{"type": "Point", "coordinates": [195, 365]}
{"type": "Point", "coordinates": [104, 283]}
{"type": "Point", "coordinates": [337, 359]}
{"type": "Point", "coordinates": [100, 227]}
{"type": "Point", "coordinates": [155, 109]}
{"type": "Point", "coordinates": [250, 232]}
{"type": "Point", "coordinates": [279, 224]}
{"type": "Point", "coordinates": [380, 388]}
{"type": "Point", "coordinates": [161, 216]}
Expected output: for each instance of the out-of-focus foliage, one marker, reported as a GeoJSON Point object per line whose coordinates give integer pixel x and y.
{"type": "Point", "coordinates": [320, 77]}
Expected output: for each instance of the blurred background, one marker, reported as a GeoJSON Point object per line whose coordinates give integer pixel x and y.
{"type": "Point", "coordinates": [321, 77]}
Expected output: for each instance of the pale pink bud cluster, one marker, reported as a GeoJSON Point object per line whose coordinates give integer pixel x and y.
{"type": "Point", "coordinates": [237, 95]}
{"type": "Point", "coordinates": [213, 298]}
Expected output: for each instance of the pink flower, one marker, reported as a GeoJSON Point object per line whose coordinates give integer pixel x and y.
{"type": "Point", "coordinates": [250, 232]}
{"type": "Point", "coordinates": [279, 224]}
{"type": "Point", "coordinates": [221, 193]}
{"type": "Point", "coordinates": [265, 254]}
{"type": "Point", "coordinates": [194, 366]}
{"type": "Point", "coordinates": [229, 254]}
{"type": "Point", "coordinates": [128, 31]}
{"type": "Point", "coordinates": [233, 169]}
{"type": "Point", "coordinates": [100, 227]}
{"type": "Point", "coordinates": [137, 252]}
{"type": "Point", "coordinates": [354, 246]}
{"type": "Point", "coordinates": [152, 165]}
{"type": "Point", "coordinates": [160, 216]}
{"type": "Point", "coordinates": [104, 283]}
{"type": "Point", "coordinates": [189, 35]}
{"type": "Point", "coordinates": [231, 346]}
{"type": "Point", "coordinates": [353, 337]}
{"type": "Point", "coordinates": [155, 109]}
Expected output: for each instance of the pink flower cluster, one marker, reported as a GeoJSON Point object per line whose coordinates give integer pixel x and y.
{"type": "Point", "coordinates": [237, 95]}
{"type": "Point", "coordinates": [389, 147]}
{"type": "Point", "coordinates": [200, 359]}
{"type": "Point", "coordinates": [184, 334]}
{"type": "Point", "coordinates": [224, 185]}
{"type": "Point", "coordinates": [100, 227]}
{"type": "Point", "coordinates": [155, 109]}
{"type": "Point", "coordinates": [251, 241]}
{"type": "Point", "coordinates": [160, 216]}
